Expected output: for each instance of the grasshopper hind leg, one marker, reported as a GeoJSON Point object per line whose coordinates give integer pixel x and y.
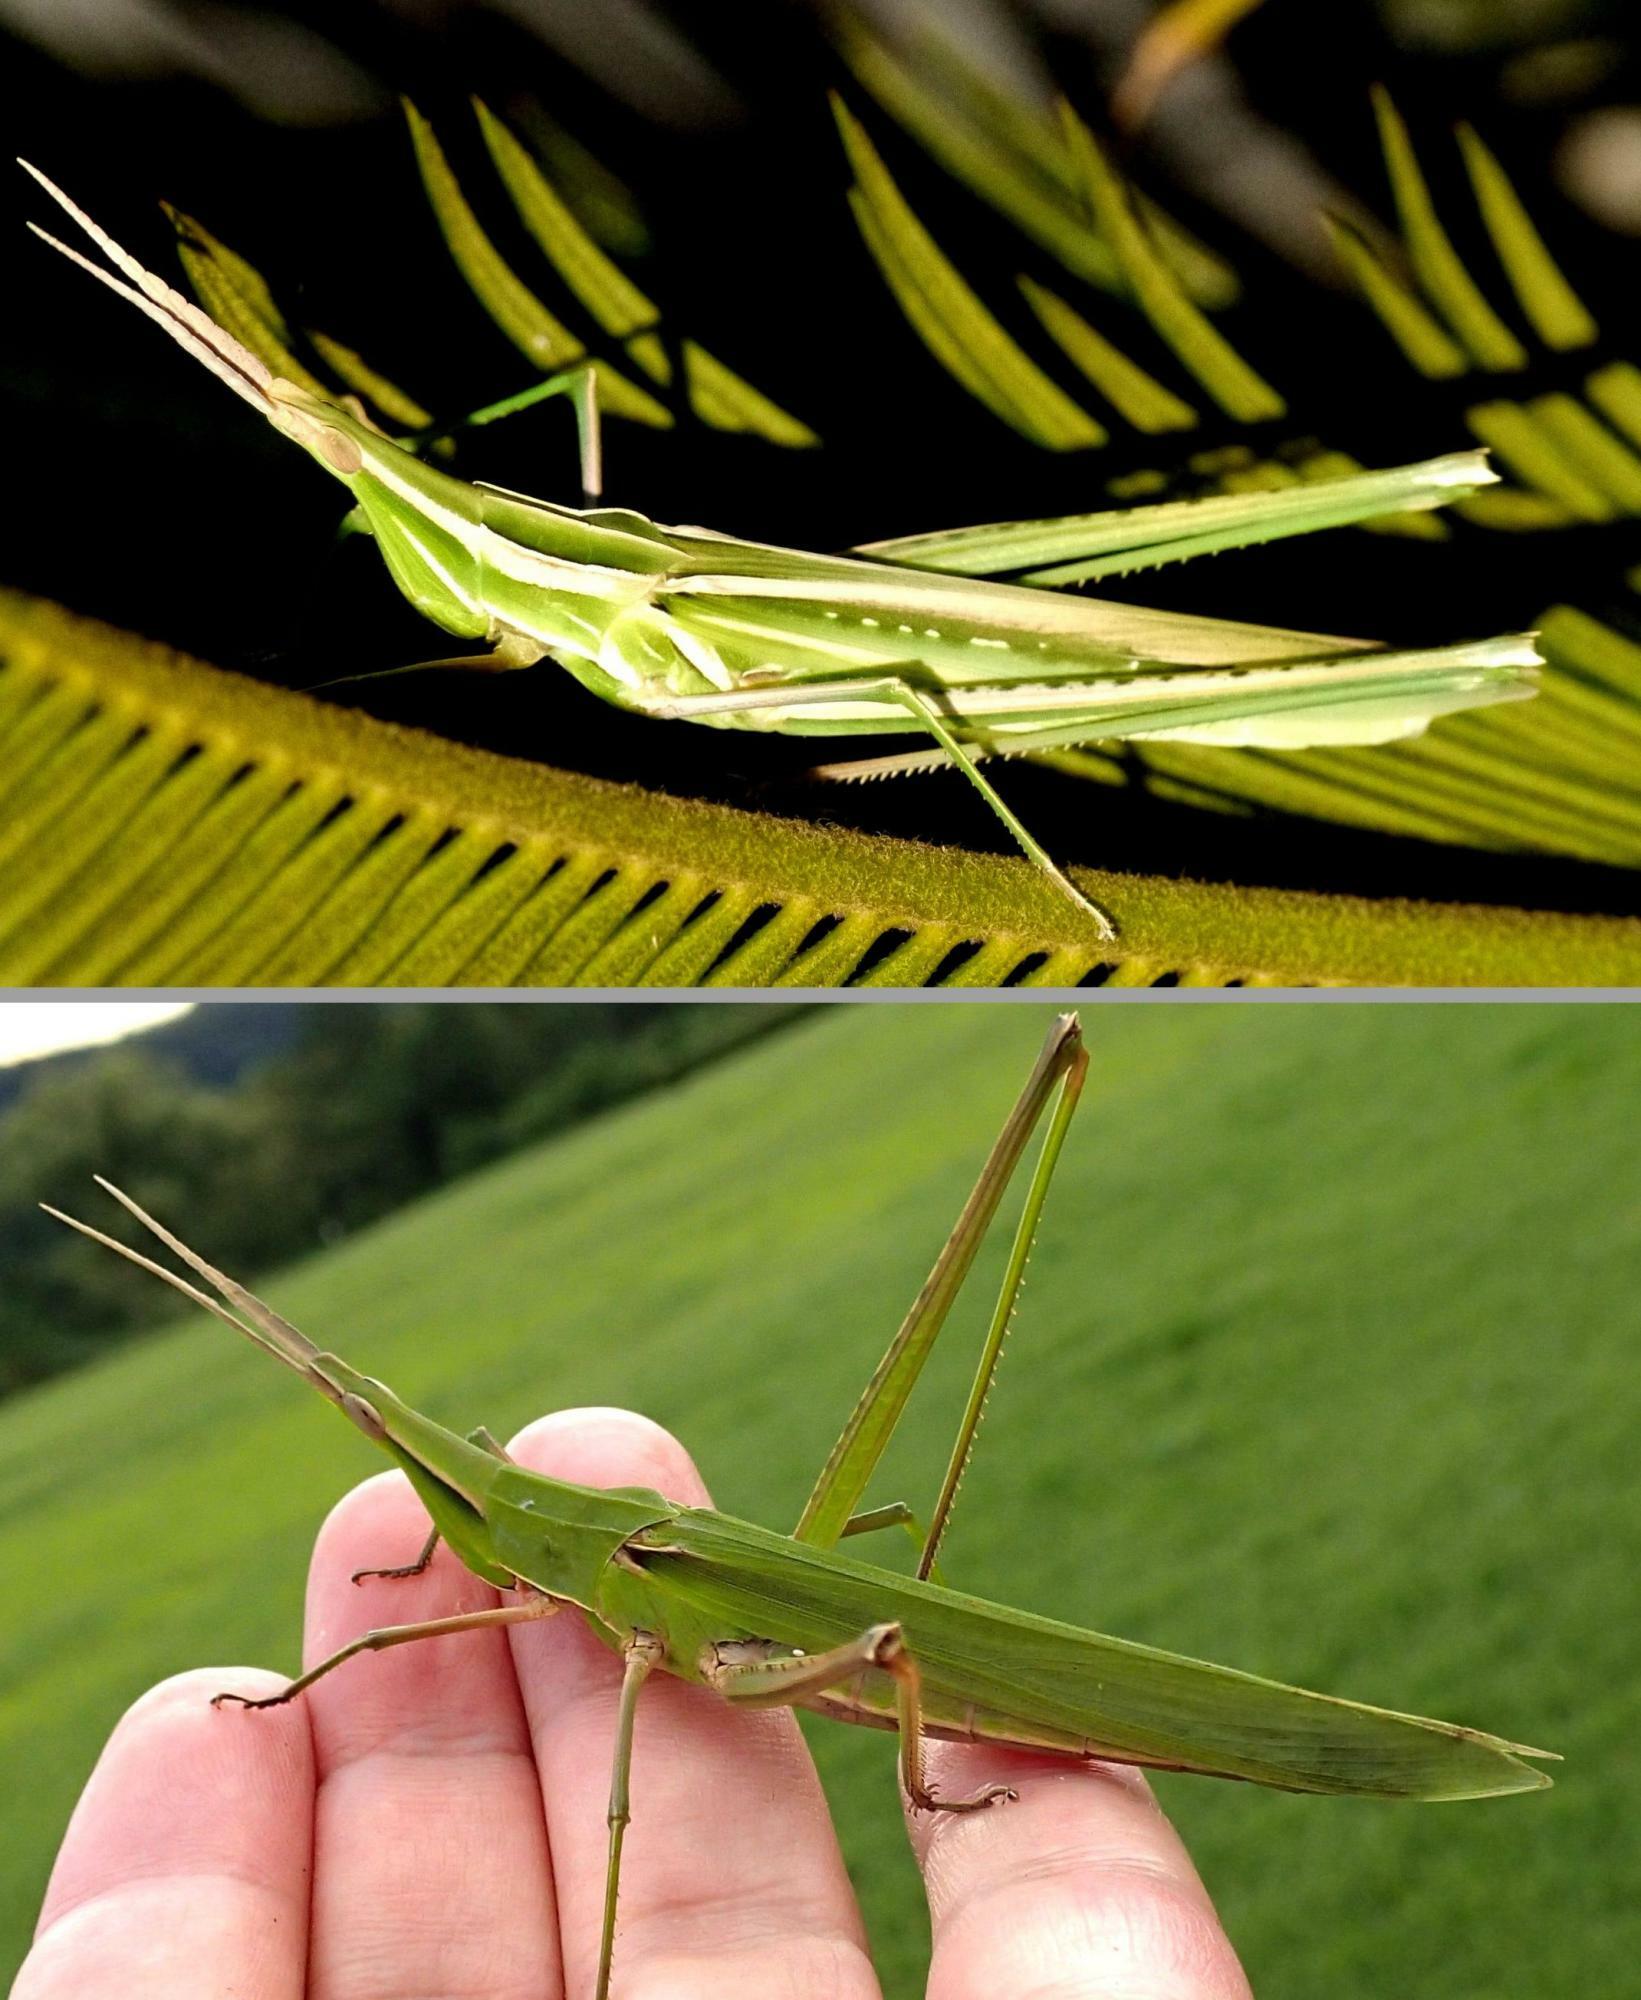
{"type": "Point", "coordinates": [892, 690]}
{"type": "Point", "coordinates": [925, 711]}
{"type": "Point", "coordinates": [895, 1657]}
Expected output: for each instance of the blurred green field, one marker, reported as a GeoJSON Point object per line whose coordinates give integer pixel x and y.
{"type": "Point", "coordinates": [1327, 1368]}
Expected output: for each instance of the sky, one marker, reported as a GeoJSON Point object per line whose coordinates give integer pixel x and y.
{"type": "Point", "coordinates": [37, 1027]}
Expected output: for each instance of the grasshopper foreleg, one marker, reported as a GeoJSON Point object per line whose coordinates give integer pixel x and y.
{"type": "Point", "coordinates": [401, 1635]}
{"type": "Point", "coordinates": [897, 1514]}
{"type": "Point", "coordinates": [773, 1683]}
{"type": "Point", "coordinates": [404, 1569]}
{"type": "Point", "coordinates": [579, 382]}
{"type": "Point", "coordinates": [480, 1436]}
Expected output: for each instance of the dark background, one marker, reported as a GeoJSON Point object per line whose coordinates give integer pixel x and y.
{"type": "Point", "coordinates": [143, 494]}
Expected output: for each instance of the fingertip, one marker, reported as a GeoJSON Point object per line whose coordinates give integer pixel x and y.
{"type": "Point", "coordinates": [604, 1446]}
{"type": "Point", "coordinates": [180, 1790]}
{"type": "Point", "coordinates": [177, 1722]}
{"type": "Point", "coordinates": [1083, 1861]}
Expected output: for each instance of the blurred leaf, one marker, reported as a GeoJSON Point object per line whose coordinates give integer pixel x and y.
{"type": "Point", "coordinates": [602, 202]}
{"type": "Point", "coordinates": [1012, 157]}
{"type": "Point", "coordinates": [237, 296]}
{"type": "Point", "coordinates": [1180, 33]}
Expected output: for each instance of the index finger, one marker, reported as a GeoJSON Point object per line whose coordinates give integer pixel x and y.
{"type": "Point", "coordinates": [185, 1868]}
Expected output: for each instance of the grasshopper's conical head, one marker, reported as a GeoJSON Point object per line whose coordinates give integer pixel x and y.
{"type": "Point", "coordinates": [309, 420]}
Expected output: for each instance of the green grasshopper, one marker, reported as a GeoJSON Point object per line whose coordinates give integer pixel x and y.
{"type": "Point", "coordinates": [898, 636]}
{"type": "Point", "coordinates": [766, 1619]}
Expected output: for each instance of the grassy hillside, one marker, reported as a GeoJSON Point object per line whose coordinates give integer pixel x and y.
{"type": "Point", "coordinates": [1327, 1368]}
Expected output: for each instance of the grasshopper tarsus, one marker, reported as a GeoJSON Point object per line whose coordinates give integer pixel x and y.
{"type": "Point", "coordinates": [414, 1568]}
{"type": "Point", "coordinates": [988, 1795]}
{"type": "Point", "coordinates": [253, 1701]}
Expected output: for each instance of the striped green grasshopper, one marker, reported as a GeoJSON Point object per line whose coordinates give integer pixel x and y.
{"type": "Point", "coordinates": [893, 637]}
{"type": "Point", "coordinates": [763, 1619]}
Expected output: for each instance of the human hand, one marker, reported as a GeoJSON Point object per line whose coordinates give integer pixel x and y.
{"type": "Point", "coordinates": [430, 1820]}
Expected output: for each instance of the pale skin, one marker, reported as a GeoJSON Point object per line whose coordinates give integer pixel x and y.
{"type": "Point", "coordinates": [430, 1821]}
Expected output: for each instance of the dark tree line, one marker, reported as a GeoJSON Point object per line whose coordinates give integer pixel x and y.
{"type": "Point", "coordinates": [365, 1108]}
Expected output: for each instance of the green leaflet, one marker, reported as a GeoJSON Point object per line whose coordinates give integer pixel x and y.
{"type": "Point", "coordinates": [1559, 316]}
{"type": "Point", "coordinates": [1446, 282]}
{"type": "Point", "coordinates": [237, 296]}
{"type": "Point", "coordinates": [718, 395]}
{"type": "Point", "coordinates": [353, 369]}
{"type": "Point", "coordinates": [164, 823]}
{"type": "Point", "coordinates": [533, 330]}
{"type": "Point", "coordinates": [1413, 327]}
{"type": "Point", "coordinates": [603, 288]}
{"type": "Point", "coordinates": [1201, 348]}
{"type": "Point", "coordinates": [1137, 397]}
{"type": "Point", "coordinates": [957, 328]}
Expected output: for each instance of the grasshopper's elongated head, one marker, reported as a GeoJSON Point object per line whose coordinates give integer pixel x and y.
{"type": "Point", "coordinates": [301, 416]}
{"type": "Point", "coordinates": [421, 518]}
{"type": "Point", "coordinates": [505, 1523]}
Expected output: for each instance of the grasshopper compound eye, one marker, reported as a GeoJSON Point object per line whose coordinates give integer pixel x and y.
{"type": "Point", "coordinates": [306, 421]}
